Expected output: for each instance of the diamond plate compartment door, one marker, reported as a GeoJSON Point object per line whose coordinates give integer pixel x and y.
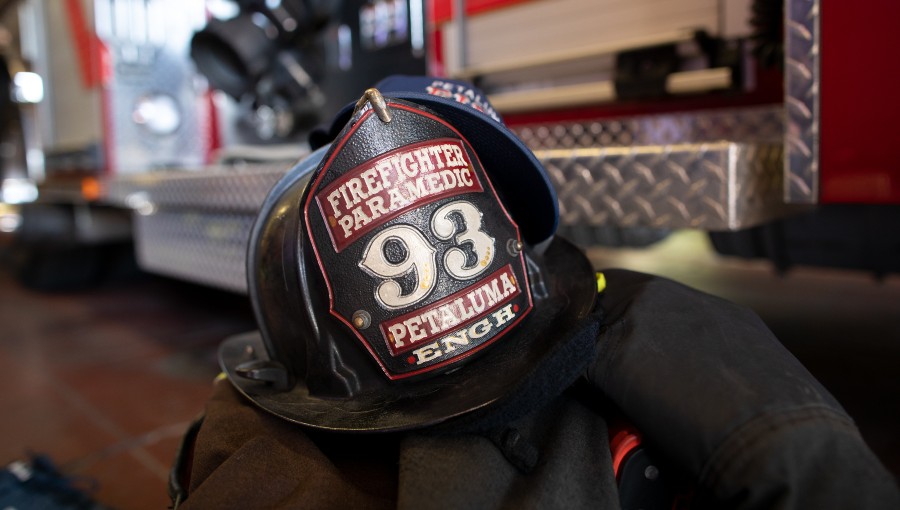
{"type": "Point", "coordinates": [713, 186]}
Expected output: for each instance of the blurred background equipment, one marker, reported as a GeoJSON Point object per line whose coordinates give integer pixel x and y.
{"type": "Point", "coordinates": [159, 91]}
{"type": "Point", "coordinates": [266, 58]}
{"type": "Point", "coordinates": [765, 123]}
{"type": "Point", "coordinates": [101, 89]}
{"type": "Point", "coordinates": [277, 70]}
{"type": "Point", "coordinates": [289, 64]}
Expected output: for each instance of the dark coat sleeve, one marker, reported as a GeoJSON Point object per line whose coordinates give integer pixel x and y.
{"type": "Point", "coordinates": [709, 384]}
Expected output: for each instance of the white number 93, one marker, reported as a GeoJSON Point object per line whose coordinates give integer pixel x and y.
{"type": "Point", "coordinates": [414, 253]}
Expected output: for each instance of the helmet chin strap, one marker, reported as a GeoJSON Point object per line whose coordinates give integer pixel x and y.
{"type": "Point", "coordinates": [547, 380]}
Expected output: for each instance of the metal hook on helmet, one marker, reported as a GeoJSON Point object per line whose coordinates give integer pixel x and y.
{"type": "Point", "coordinates": [374, 97]}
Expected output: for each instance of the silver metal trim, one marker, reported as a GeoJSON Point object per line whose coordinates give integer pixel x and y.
{"type": "Point", "coordinates": [801, 89]}
{"type": "Point", "coordinates": [460, 18]}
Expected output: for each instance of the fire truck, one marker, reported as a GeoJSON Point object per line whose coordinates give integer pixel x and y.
{"type": "Point", "coordinates": [766, 123]}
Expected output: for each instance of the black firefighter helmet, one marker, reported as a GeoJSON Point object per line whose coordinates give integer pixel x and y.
{"type": "Point", "coordinates": [406, 274]}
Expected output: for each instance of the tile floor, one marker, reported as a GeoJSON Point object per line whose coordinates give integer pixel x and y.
{"type": "Point", "coordinates": [105, 381]}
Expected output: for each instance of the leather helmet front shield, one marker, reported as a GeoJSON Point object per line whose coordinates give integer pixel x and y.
{"type": "Point", "coordinates": [421, 261]}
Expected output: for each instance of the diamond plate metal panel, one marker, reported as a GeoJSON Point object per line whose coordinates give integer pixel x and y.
{"type": "Point", "coordinates": [195, 226]}
{"type": "Point", "coordinates": [201, 247]}
{"type": "Point", "coordinates": [224, 188]}
{"type": "Point", "coordinates": [750, 125]}
{"type": "Point", "coordinates": [715, 186]}
{"type": "Point", "coordinates": [801, 164]}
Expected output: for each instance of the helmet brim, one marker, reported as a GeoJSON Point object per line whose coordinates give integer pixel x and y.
{"type": "Point", "coordinates": [546, 338]}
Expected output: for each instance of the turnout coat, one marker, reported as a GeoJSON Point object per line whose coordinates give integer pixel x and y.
{"type": "Point", "coordinates": [730, 417]}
